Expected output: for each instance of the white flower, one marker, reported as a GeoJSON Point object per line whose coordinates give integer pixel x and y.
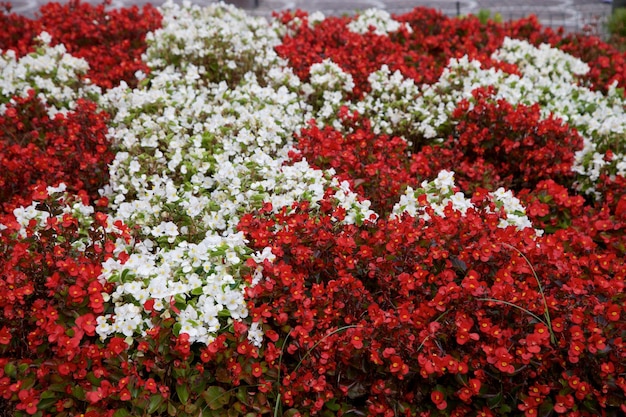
{"type": "Point", "coordinates": [44, 37]}
{"type": "Point", "coordinates": [59, 189]}
{"type": "Point", "coordinates": [255, 334]}
{"type": "Point", "coordinates": [460, 203]}
{"type": "Point", "coordinates": [379, 19]}
{"type": "Point", "coordinates": [445, 181]}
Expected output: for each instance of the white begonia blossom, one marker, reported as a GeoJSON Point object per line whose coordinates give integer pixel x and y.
{"type": "Point", "coordinates": [58, 189]}
{"type": "Point", "coordinates": [327, 75]}
{"type": "Point", "coordinates": [445, 181]}
{"type": "Point", "coordinates": [23, 216]}
{"type": "Point", "coordinates": [316, 17]}
{"type": "Point", "coordinates": [255, 334]}
{"type": "Point", "coordinates": [44, 37]}
{"type": "Point", "coordinates": [378, 20]}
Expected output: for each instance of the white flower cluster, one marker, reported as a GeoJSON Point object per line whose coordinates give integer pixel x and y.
{"type": "Point", "coordinates": [357, 211]}
{"type": "Point", "coordinates": [216, 43]}
{"type": "Point", "coordinates": [541, 62]}
{"type": "Point", "coordinates": [327, 90]}
{"type": "Point", "coordinates": [328, 76]}
{"type": "Point", "coordinates": [441, 191]}
{"type": "Point", "coordinates": [194, 155]}
{"type": "Point", "coordinates": [378, 20]}
{"type": "Point", "coordinates": [197, 277]}
{"type": "Point", "coordinates": [515, 212]}
{"type": "Point", "coordinates": [393, 104]}
{"type": "Point", "coordinates": [56, 76]}
{"type": "Point", "coordinates": [295, 24]}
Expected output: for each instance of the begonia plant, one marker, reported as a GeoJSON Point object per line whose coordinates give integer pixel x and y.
{"type": "Point", "coordinates": [206, 213]}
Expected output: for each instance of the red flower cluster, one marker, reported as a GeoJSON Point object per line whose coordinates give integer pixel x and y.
{"type": "Point", "coordinates": [495, 144]}
{"type": "Point", "coordinates": [110, 41]}
{"type": "Point", "coordinates": [38, 150]}
{"type": "Point", "coordinates": [376, 166]}
{"type": "Point", "coordinates": [455, 315]}
{"type": "Point", "coordinates": [49, 299]}
{"type": "Point", "coordinates": [456, 309]}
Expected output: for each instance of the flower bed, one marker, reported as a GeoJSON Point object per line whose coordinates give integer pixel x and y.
{"type": "Point", "coordinates": [205, 213]}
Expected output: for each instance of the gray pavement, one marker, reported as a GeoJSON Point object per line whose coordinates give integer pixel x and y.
{"type": "Point", "coordinates": [573, 15]}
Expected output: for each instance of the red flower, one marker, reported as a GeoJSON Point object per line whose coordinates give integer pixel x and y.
{"type": "Point", "coordinates": [613, 312]}
{"type": "Point", "coordinates": [125, 395]}
{"type": "Point", "coordinates": [151, 385]}
{"type": "Point", "coordinates": [502, 359]}
{"type": "Point", "coordinates": [243, 348]}
{"type": "Point", "coordinates": [116, 346]}
{"type": "Point", "coordinates": [95, 396]}
{"type": "Point", "coordinates": [439, 398]}
{"type": "Point", "coordinates": [87, 323]}
{"type": "Point", "coordinates": [66, 368]}
{"type": "Point", "coordinates": [257, 370]}
{"type": "Point", "coordinates": [28, 401]}
{"type": "Point", "coordinates": [5, 336]}
{"type": "Point", "coordinates": [563, 403]}
{"type": "Point", "coordinates": [357, 341]}
{"type": "Point", "coordinates": [398, 366]}
{"type": "Point", "coordinates": [182, 345]}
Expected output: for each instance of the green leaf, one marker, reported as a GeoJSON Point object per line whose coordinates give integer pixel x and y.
{"type": "Point", "coordinates": [332, 405]}
{"type": "Point", "coordinates": [242, 395]}
{"type": "Point", "coordinates": [234, 411]}
{"type": "Point", "coordinates": [93, 379]}
{"type": "Point", "coordinates": [47, 394]}
{"type": "Point", "coordinates": [155, 403]}
{"type": "Point", "coordinates": [191, 409]}
{"type": "Point", "coordinates": [44, 404]}
{"type": "Point", "coordinates": [216, 397]}
{"type": "Point", "coordinates": [124, 275]}
{"type": "Point", "coordinates": [183, 393]}
{"type": "Point", "coordinates": [121, 413]}
{"type": "Point", "coordinates": [223, 313]}
{"type": "Point", "coordinates": [28, 383]}
{"type": "Point", "coordinates": [78, 392]}
{"type": "Point", "coordinates": [10, 370]}
{"type": "Point", "coordinates": [494, 401]}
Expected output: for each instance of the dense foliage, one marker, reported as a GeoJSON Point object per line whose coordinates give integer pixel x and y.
{"type": "Point", "coordinates": [205, 213]}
